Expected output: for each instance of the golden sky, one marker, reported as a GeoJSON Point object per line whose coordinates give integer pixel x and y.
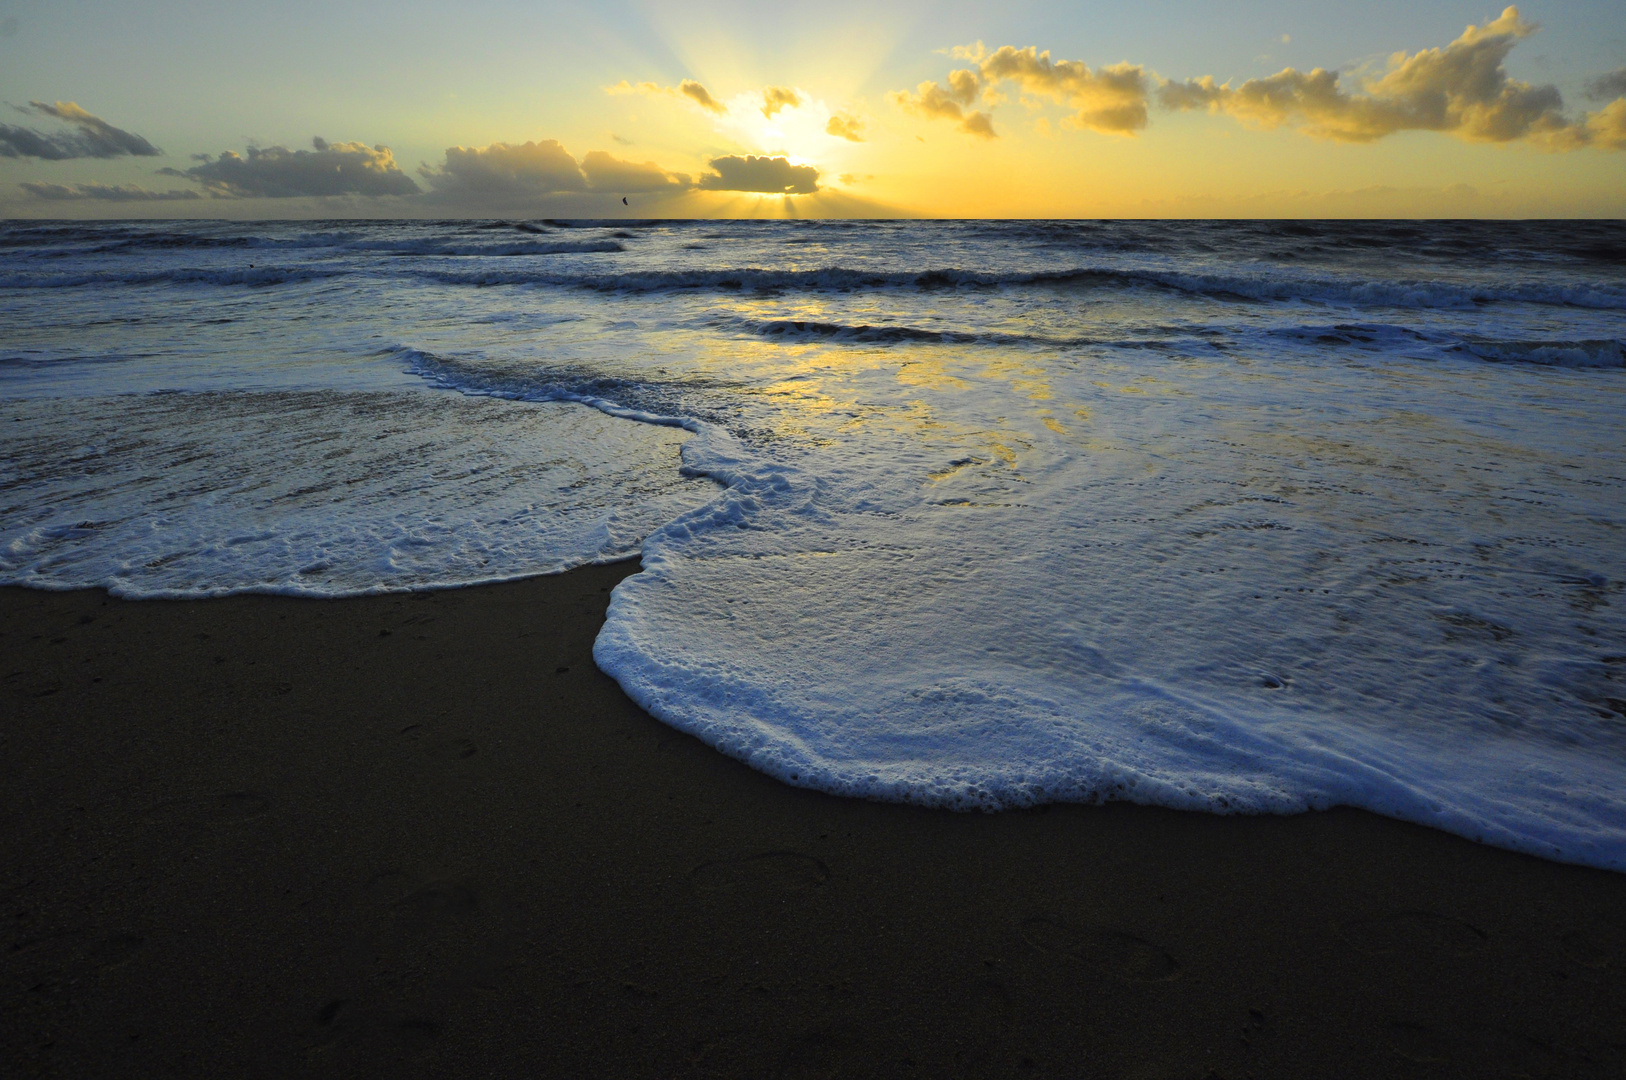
{"type": "Point", "coordinates": [1176, 108]}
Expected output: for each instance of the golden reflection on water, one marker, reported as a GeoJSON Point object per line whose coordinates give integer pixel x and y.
{"type": "Point", "coordinates": [995, 406]}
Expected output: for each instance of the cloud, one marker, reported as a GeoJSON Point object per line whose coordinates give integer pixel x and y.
{"type": "Point", "coordinates": [845, 127]}
{"type": "Point", "coordinates": [1110, 99]}
{"type": "Point", "coordinates": [275, 172]}
{"type": "Point", "coordinates": [1606, 86]}
{"type": "Point", "coordinates": [979, 123]}
{"type": "Point", "coordinates": [699, 95]}
{"type": "Point", "coordinates": [768, 175]}
{"type": "Point", "coordinates": [91, 137]}
{"type": "Point", "coordinates": [1607, 126]}
{"type": "Point", "coordinates": [530, 168]}
{"type": "Point", "coordinates": [948, 102]}
{"type": "Point", "coordinates": [606, 173]}
{"type": "Point", "coordinates": [1463, 89]}
{"type": "Point", "coordinates": [775, 98]}
{"type": "Point", "coordinates": [688, 89]}
{"type": "Point", "coordinates": [118, 193]}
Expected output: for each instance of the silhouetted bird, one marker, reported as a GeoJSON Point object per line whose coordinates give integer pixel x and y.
{"type": "Point", "coordinates": [624, 201]}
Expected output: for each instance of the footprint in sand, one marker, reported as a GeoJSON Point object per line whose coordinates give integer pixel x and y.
{"type": "Point", "coordinates": [787, 872]}
{"type": "Point", "coordinates": [1414, 933]}
{"type": "Point", "coordinates": [1109, 951]}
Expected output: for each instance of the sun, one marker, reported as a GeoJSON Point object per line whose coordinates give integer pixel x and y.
{"type": "Point", "coordinates": [786, 122]}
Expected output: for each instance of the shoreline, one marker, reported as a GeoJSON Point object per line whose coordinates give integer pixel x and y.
{"type": "Point", "coordinates": [422, 834]}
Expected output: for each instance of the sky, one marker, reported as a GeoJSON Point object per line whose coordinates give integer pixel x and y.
{"type": "Point", "coordinates": [1161, 108]}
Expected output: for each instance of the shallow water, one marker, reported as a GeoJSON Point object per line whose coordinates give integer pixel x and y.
{"type": "Point", "coordinates": [1236, 516]}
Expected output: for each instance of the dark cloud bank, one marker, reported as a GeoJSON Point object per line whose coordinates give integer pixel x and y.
{"type": "Point", "coordinates": [105, 192]}
{"type": "Point", "coordinates": [276, 172]}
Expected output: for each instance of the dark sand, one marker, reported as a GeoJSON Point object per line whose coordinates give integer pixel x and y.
{"type": "Point", "coordinates": [424, 836]}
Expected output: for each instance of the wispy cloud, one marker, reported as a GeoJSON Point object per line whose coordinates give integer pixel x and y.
{"type": "Point", "coordinates": [688, 89]}
{"type": "Point", "coordinates": [89, 136]}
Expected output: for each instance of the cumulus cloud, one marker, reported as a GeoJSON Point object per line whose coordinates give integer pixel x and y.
{"type": "Point", "coordinates": [845, 127]}
{"type": "Point", "coordinates": [1607, 126]}
{"type": "Point", "coordinates": [775, 98]}
{"type": "Point", "coordinates": [276, 172]}
{"type": "Point", "coordinates": [699, 95]}
{"type": "Point", "coordinates": [90, 136]}
{"type": "Point", "coordinates": [1463, 89]}
{"type": "Point", "coordinates": [1109, 99]}
{"type": "Point", "coordinates": [949, 100]}
{"type": "Point", "coordinates": [606, 173]}
{"type": "Point", "coordinates": [529, 168]}
{"type": "Point", "coordinates": [1609, 85]}
{"type": "Point", "coordinates": [110, 193]}
{"type": "Point", "coordinates": [767, 175]}
{"type": "Point", "coordinates": [687, 89]}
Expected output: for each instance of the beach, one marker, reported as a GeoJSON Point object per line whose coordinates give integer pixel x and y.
{"type": "Point", "coordinates": [422, 834]}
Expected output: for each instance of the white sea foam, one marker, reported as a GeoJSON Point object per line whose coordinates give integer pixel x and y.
{"type": "Point", "coordinates": [1271, 625]}
{"type": "Point", "coordinates": [322, 494]}
{"type": "Point", "coordinates": [1249, 517]}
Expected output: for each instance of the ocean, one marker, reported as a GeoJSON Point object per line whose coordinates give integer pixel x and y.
{"type": "Point", "coordinates": [1227, 516]}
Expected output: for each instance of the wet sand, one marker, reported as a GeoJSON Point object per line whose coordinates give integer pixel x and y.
{"type": "Point", "coordinates": [424, 836]}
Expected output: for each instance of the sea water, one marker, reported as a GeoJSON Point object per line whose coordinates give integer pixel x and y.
{"type": "Point", "coordinates": [1239, 517]}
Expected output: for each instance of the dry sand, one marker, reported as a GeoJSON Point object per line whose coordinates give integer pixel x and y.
{"type": "Point", "coordinates": [424, 836]}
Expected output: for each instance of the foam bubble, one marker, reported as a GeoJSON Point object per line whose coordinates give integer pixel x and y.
{"type": "Point", "coordinates": [316, 493]}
